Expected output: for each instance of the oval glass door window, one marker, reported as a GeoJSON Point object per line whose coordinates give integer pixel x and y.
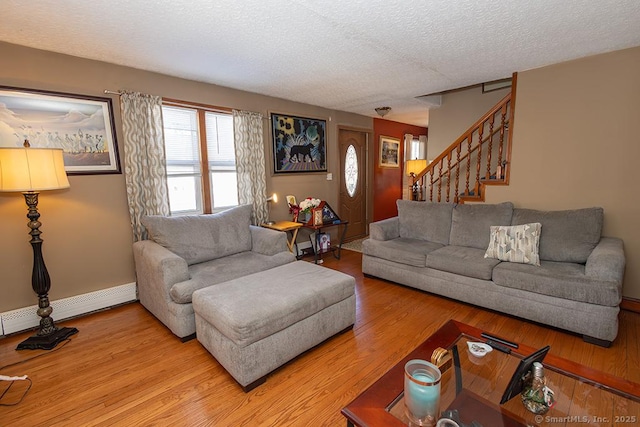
{"type": "Point", "coordinates": [351, 170]}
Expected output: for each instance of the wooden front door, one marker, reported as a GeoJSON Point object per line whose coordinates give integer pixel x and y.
{"type": "Point", "coordinates": [353, 173]}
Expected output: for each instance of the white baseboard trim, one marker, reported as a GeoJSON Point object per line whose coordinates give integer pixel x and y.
{"type": "Point", "coordinates": [26, 318]}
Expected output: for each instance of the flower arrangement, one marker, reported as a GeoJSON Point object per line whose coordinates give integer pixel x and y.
{"type": "Point", "coordinates": [304, 207]}
{"type": "Point", "coordinates": [308, 204]}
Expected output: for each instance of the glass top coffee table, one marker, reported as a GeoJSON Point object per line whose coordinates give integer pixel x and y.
{"type": "Point", "coordinates": [473, 386]}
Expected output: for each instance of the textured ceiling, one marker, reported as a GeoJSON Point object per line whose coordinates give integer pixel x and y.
{"type": "Point", "coordinates": [351, 55]}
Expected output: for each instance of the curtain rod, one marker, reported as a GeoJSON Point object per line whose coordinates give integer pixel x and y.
{"type": "Point", "coordinates": [187, 104]}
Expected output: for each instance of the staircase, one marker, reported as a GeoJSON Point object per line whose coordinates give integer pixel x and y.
{"type": "Point", "coordinates": [478, 158]}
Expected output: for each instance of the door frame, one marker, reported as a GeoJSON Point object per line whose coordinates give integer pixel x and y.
{"type": "Point", "coordinates": [369, 160]}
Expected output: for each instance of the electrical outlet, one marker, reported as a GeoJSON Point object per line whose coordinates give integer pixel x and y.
{"type": "Point", "coordinates": [329, 176]}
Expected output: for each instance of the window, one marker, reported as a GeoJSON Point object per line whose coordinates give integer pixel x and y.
{"type": "Point", "coordinates": [198, 140]}
{"type": "Point", "coordinates": [415, 148]}
{"type": "Point", "coordinates": [351, 170]}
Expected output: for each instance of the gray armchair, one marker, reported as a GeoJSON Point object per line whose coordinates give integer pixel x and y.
{"type": "Point", "coordinates": [187, 253]}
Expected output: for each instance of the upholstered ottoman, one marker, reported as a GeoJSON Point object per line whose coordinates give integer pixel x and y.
{"type": "Point", "coordinates": [256, 323]}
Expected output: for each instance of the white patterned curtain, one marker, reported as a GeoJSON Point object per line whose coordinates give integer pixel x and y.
{"type": "Point", "coordinates": [252, 185]}
{"type": "Point", "coordinates": [145, 169]}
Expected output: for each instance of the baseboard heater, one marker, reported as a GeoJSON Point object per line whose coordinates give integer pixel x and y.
{"type": "Point", "coordinates": [24, 319]}
{"type": "Point", "coordinates": [303, 245]}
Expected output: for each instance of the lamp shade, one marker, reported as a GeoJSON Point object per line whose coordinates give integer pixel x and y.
{"type": "Point", "coordinates": [416, 166]}
{"type": "Point", "coordinates": [32, 169]}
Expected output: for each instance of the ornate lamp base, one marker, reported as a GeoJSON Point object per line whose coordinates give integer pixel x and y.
{"type": "Point", "coordinates": [415, 192]}
{"type": "Point", "coordinates": [48, 335]}
{"type": "Point", "coordinates": [46, 342]}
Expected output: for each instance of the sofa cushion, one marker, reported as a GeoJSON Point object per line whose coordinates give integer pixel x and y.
{"type": "Point", "coordinates": [199, 238]}
{"type": "Point", "coordinates": [401, 250]}
{"type": "Point", "coordinates": [558, 279]}
{"type": "Point", "coordinates": [425, 220]}
{"type": "Point", "coordinates": [223, 269]}
{"type": "Point", "coordinates": [567, 236]}
{"type": "Point", "coordinates": [515, 243]}
{"type": "Point", "coordinates": [471, 224]}
{"type": "Point", "coordinates": [462, 260]}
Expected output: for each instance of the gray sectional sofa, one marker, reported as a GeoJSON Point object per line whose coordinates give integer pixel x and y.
{"type": "Point", "coordinates": [562, 273]}
{"type": "Point", "coordinates": [187, 253]}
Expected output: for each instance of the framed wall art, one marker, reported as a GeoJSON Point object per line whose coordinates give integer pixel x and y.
{"type": "Point", "coordinates": [299, 144]}
{"type": "Point", "coordinates": [82, 126]}
{"type": "Point", "coordinates": [389, 152]}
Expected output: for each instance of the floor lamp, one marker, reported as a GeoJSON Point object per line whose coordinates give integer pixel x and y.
{"type": "Point", "coordinates": [29, 171]}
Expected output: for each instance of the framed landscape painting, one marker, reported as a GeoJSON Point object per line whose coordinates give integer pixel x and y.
{"type": "Point", "coordinates": [389, 152]}
{"type": "Point", "coordinates": [82, 126]}
{"type": "Point", "coordinates": [299, 144]}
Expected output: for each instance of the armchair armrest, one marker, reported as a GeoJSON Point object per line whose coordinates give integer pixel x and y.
{"type": "Point", "coordinates": [268, 242]}
{"type": "Point", "coordinates": [607, 261]}
{"type": "Point", "coordinates": [158, 268]}
{"type": "Point", "coordinates": [385, 229]}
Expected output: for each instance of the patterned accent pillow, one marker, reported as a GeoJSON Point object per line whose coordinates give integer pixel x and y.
{"type": "Point", "coordinates": [516, 243]}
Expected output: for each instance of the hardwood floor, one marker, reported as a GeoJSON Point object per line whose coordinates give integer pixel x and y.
{"type": "Point", "coordinates": [125, 368]}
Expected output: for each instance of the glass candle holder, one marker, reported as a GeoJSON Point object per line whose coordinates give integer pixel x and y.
{"type": "Point", "coordinates": [422, 392]}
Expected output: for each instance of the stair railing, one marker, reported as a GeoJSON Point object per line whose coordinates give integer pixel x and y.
{"type": "Point", "coordinates": [482, 155]}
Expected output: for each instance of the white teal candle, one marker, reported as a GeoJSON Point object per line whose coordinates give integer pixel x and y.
{"type": "Point", "coordinates": [422, 391]}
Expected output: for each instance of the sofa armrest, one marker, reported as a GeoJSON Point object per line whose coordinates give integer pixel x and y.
{"type": "Point", "coordinates": [607, 260]}
{"type": "Point", "coordinates": [385, 229]}
{"type": "Point", "coordinates": [268, 242]}
{"type": "Point", "coordinates": [158, 268]}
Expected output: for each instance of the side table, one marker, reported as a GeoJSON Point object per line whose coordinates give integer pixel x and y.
{"type": "Point", "coordinates": [342, 227]}
{"type": "Point", "coordinates": [286, 227]}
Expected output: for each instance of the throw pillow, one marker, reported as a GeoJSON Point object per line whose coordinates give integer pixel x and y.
{"type": "Point", "coordinates": [516, 243]}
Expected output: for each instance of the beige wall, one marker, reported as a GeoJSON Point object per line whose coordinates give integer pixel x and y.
{"type": "Point", "coordinates": [576, 144]}
{"type": "Point", "coordinates": [86, 231]}
{"type": "Point", "coordinates": [460, 109]}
